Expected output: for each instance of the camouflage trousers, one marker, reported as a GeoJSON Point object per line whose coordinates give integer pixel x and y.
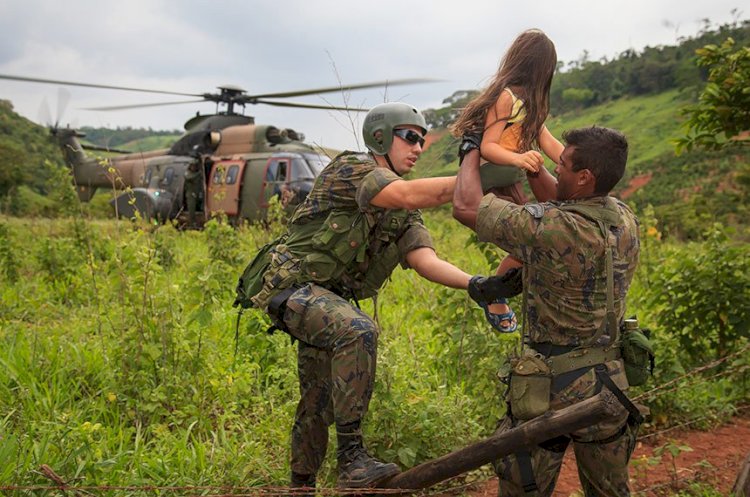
{"type": "Point", "coordinates": [336, 363]}
{"type": "Point", "coordinates": [602, 465]}
{"type": "Point", "coordinates": [192, 205]}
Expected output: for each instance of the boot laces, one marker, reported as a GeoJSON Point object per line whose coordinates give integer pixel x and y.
{"type": "Point", "coordinates": [357, 454]}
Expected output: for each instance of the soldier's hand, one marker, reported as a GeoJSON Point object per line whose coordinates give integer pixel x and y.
{"type": "Point", "coordinates": [469, 142]}
{"type": "Point", "coordinates": [485, 290]}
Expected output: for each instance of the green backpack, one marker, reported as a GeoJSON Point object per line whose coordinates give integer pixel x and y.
{"type": "Point", "coordinates": [251, 281]}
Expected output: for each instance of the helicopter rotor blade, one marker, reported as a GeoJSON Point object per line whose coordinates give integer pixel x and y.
{"type": "Point", "coordinates": [141, 106]}
{"type": "Point", "coordinates": [45, 116]}
{"type": "Point", "coordinates": [361, 86]}
{"type": "Point", "coordinates": [308, 106]}
{"type": "Point", "coordinates": [92, 85]}
{"type": "Point", "coordinates": [63, 98]}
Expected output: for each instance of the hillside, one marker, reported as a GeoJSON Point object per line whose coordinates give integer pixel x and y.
{"type": "Point", "coordinates": [29, 163]}
{"type": "Point", "coordinates": [641, 94]}
{"type": "Point", "coordinates": [131, 138]}
{"type": "Point", "coordinates": [682, 188]}
{"type": "Point", "coordinates": [150, 143]}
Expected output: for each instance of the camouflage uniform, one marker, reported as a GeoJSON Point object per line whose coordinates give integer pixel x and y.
{"type": "Point", "coordinates": [338, 247]}
{"type": "Point", "coordinates": [564, 255]}
{"type": "Point", "coordinates": [193, 190]}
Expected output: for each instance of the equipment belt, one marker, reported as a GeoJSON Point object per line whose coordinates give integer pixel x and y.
{"type": "Point", "coordinates": [585, 359]}
{"type": "Point", "coordinates": [582, 358]}
{"type": "Point", "coordinates": [569, 362]}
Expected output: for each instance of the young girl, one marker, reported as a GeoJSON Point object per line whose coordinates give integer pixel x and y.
{"type": "Point", "coordinates": [510, 115]}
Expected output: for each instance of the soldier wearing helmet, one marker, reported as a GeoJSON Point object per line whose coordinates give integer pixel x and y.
{"type": "Point", "coordinates": [360, 221]}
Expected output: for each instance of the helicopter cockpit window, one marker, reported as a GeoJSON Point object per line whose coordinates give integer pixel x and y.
{"type": "Point", "coordinates": [281, 174]}
{"type": "Point", "coordinates": [232, 174]}
{"type": "Point", "coordinates": [300, 170]}
{"type": "Point", "coordinates": [317, 162]}
{"type": "Point", "coordinates": [271, 171]}
{"type": "Point", "coordinates": [168, 176]}
{"type": "Point", "coordinates": [218, 175]}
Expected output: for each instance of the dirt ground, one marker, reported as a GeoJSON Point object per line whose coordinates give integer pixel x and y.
{"type": "Point", "coordinates": [715, 459]}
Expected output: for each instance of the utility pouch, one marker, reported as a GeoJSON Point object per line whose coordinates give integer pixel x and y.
{"type": "Point", "coordinates": [637, 353]}
{"type": "Point", "coordinates": [530, 385]}
{"type": "Point", "coordinates": [342, 236]}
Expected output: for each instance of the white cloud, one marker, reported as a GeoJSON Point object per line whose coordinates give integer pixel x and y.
{"type": "Point", "coordinates": [194, 46]}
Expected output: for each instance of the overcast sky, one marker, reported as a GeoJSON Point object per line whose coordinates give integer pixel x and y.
{"type": "Point", "coordinates": [194, 46]}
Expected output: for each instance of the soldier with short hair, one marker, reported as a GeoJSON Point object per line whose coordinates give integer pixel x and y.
{"type": "Point", "coordinates": [579, 254]}
{"type": "Point", "coordinates": [357, 224]}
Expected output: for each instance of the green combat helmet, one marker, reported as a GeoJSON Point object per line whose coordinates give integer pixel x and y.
{"type": "Point", "coordinates": [380, 121]}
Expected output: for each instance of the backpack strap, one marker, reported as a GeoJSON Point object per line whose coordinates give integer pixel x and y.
{"type": "Point", "coordinates": [601, 374]}
{"type": "Point", "coordinates": [610, 321]}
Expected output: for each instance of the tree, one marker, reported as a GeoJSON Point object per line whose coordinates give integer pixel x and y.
{"type": "Point", "coordinates": [722, 113]}
{"type": "Point", "coordinates": [578, 97]}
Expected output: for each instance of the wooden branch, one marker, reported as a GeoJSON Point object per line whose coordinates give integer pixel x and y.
{"type": "Point", "coordinates": [741, 486]}
{"type": "Point", "coordinates": [545, 427]}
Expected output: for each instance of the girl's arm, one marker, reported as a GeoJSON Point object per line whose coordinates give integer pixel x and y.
{"type": "Point", "coordinates": [550, 145]}
{"type": "Point", "coordinates": [493, 131]}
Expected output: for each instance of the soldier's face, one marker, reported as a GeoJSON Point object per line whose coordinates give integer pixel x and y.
{"type": "Point", "coordinates": [404, 154]}
{"type": "Point", "coordinates": [568, 181]}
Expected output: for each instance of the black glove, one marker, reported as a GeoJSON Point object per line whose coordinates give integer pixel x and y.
{"type": "Point", "coordinates": [485, 290]}
{"type": "Point", "coordinates": [469, 142]}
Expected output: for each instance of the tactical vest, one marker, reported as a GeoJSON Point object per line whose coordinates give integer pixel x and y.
{"type": "Point", "coordinates": [351, 253]}
{"type": "Point", "coordinates": [348, 252]}
{"type": "Point", "coordinates": [532, 373]}
{"type": "Point", "coordinates": [605, 217]}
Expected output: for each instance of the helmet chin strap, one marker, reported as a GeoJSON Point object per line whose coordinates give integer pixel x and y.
{"type": "Point", "coordinates": [390, 165]}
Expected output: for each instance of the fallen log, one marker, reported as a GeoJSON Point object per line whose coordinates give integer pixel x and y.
{"type": "Point", "coordinates": [742, 484]}
{"type": "Point", "coordinates": [550, 425]}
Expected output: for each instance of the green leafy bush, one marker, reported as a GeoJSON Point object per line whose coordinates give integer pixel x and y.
{"type": "Point", "coordinates": [700, 295]}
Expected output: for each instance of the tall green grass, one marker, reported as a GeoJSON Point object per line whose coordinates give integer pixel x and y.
{"type": "Point", "coordinates": [118, 363]}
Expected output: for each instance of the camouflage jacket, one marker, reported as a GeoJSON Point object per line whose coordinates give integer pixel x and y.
{"type": "Point", "coordinates": [564, 255]}
{"type": "Point", "coordinates": [338, 240]}
{"type": "Point", "coordinates": [564, 252]}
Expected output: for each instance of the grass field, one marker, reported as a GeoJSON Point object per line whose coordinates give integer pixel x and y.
{"type": "Point", "coordinates": [119, 366]}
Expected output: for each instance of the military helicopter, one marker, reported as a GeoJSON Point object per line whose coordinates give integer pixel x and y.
{"type": "Point", "coordinates": [243, 165]}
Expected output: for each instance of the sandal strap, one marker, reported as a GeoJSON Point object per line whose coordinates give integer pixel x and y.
{"type": "Point", "coordinates": [496, 319]}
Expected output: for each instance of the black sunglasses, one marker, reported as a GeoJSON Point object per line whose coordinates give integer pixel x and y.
{"type": "Point", "coordinates": [410, 136]}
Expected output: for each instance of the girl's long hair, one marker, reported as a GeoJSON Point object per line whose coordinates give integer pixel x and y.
{"type": "Point", "coordinates": [527, 68]}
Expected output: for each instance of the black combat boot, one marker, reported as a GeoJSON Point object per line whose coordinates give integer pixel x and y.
{"type": "Point", "coordinates": [357, 469]}
{"type": "Point", "coordinates": [306, 482]}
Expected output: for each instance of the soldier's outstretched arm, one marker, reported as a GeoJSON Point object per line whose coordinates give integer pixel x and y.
{"type": "Point", "coordinates": [468, 192]}
{"type": "Point", "coordinates": [416, 194]}
{"type": "Point", "coordinates": [428, 265]}
{"type": "Point", "coordinates": [543, 184]}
